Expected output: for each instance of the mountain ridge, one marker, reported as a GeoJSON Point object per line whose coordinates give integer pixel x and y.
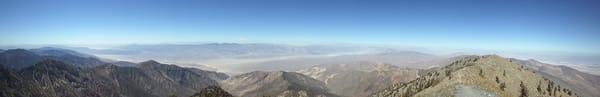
{"type": "Point", "coordinates": [51, 78]}
{"type": "Point", "coordinates": [489, 75]}
{"type": "Point", "coordinates": [22, 58]}
{"type": "Point", "coordinates": [582, 83]}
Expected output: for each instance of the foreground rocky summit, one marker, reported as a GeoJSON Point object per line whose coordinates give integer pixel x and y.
{"type": "Point", "coordinates": [479, 76]}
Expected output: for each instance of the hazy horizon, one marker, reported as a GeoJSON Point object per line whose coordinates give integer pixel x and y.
{"type": "Point", "coordinates": [519, 26]}
{"type": "Point", "coordinates": [559, 32]}
{"type": "Point", "coordinates": [299, 48]}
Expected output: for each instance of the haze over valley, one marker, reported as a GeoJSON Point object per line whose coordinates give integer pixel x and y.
{"type": "Point", "coordinates": [299, 48]}
{"type": "Point", "coordinates": [354, 75]}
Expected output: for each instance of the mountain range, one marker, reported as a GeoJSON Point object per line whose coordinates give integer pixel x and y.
{"type": "Point", "coordinates": [56, 72]}
{"type": "Point", "coordinates": [56, 78]}
{"type": "Point", "coordinates": [21, 58]}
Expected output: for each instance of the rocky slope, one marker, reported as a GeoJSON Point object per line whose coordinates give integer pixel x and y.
{"type": "Point", "coordinates": [278, 83]}
{"type": "Point", "coordinates": [359, 79]}
{"type": "Point", "coordinates": [478, 76]}
{"type": "Point", "coordinates": [50, 78]}
{"type": "Point", "coordinates": [582, 83]}
{"type": "Point", "coordinates": [212, 91]}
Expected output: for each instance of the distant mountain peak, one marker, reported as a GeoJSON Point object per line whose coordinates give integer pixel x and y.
{"type": "Point", "coordinates": [50, 48]}
{"type": "Point", "coordinates": [21, 58]}
{"type": "Point", "coordinates": [53, 51]}
{"type": "Point", "coordinates": [150, 62]}
{"type": "Point", "coordinates": [18, 51]}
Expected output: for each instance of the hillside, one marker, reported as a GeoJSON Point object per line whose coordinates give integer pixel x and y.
{"type": "Point", "coordinates": [51, 78]}
{"type": "Point", "coordinates": [479, 76]}
{"type": "Point", "coordinates": [278, 83]}
{"type": "Point", "coordinates": [582, 83]}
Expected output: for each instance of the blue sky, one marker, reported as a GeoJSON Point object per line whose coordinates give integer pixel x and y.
{"type": "Point", "coordinates": [521, 25]}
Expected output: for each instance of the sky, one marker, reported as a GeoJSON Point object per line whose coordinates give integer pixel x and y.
{"type": "Point", "coordinates": [521, 25]}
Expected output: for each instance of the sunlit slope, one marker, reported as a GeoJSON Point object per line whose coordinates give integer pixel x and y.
{"type": "Point", "coordinates": [478, 76]}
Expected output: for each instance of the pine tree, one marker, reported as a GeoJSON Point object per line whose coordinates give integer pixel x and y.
{"type": "Point", "coordinates": [481, 72]}
{"type": "Point", "coordinates": [539, 88]}
{"type": "Point", "coordinates": [497, 80]}
{"type": "Point", "coordinates": [523, 90]}
{"type": "Point", "coordinates": [502, 86]}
